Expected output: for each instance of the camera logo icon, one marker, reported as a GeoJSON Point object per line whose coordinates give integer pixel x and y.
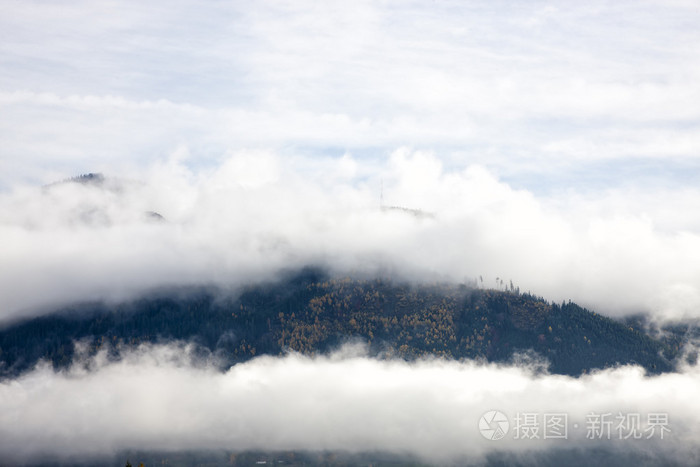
{"type": "Point", "coordinates": [494, 425]}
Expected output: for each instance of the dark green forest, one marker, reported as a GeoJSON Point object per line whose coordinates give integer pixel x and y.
{"type": "Point", "coordinates": [312, 313]}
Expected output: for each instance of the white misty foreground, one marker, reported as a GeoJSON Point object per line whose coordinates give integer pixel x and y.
{"type": "Point", "coordinates": [156, 398]}
{"type": "Point", "coordinates": [255, 213]}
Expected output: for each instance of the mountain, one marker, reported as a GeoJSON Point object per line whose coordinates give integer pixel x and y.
{"type": "Point", "coordinates": [311, 313]}
{"type": "Point", "coordinates": [94, 199]}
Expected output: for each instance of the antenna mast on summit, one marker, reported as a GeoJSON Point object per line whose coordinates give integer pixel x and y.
{"type": "Point", "coordinates": [381, 196]}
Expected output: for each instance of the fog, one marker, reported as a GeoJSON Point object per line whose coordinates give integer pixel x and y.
{"type": "Point", "coordinates": [255, 214]}
{"type": "Point", "coordinates": [157, 398]}
{"type": "Point", "coordinates": [554, 145]}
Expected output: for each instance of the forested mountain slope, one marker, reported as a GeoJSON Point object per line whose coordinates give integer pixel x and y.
{"type": "Point", "coordinates": [312, 313]}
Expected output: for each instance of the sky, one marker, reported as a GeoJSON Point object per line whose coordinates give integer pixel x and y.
{"type": "Point", "coordinates": [554, 144]}
{"type": "Point", "coordinates": [582, 96]}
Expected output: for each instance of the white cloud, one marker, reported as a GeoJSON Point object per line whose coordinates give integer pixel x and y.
{"type": "Point", "coordinates": [257, 212]}
{"type": "Point", "coordinates": [157, 399]}
{"type": "Point", "coordinates": [535, 85]}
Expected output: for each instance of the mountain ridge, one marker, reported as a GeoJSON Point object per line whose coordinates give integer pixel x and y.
{"type": "Point", "coordinates": [311, 312]}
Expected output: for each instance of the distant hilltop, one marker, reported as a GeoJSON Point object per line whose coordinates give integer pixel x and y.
{"type": "Point", "coordinates": [84, 179]}
{"type": "Point", "coordinates": [414, 212]}
{"type": "Point", "coordinates": [92, 211]}
{"type": "Point", "coordinates": [88, 178]}
{"type": "Point", "coordinates": [419, 213]}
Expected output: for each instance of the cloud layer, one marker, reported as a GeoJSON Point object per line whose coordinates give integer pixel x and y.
{"type": "Point", "coordinates": [557, 145]}
{"type": "Point", "coordinates": [157, 399]}
{"type": "Point", "coordinates": [257, 213]}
